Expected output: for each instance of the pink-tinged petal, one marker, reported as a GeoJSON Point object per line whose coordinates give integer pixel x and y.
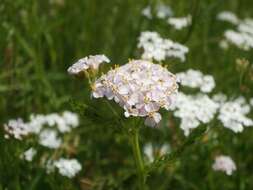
{"type": "Point", "coordinates": [151, 107]}
{"type": "Point", "coordinates": [123, 90]}
{"type": "Point", "coordinates": [153, 120]}
{"type": "Point", "coordinates": [157, 117]}
{"type": "Point", "coordinates": [150, 122]}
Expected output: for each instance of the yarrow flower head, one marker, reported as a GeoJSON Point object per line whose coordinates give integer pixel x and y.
{"type": "Point", "coordinates": [196, 79]}
{"type": "Point", "coordinates": [225, 164]}
{"type": "Point", "coordinates": [180, 22]}
{"type": "Point", "coordinates": [242, 37]}
{"type": "Point", "coordinates": [147, 12]}
{"type": "Point", "coordinates": [157, 48]}
{"type": "Point", "coordinates": [233, 115]}
{"type": "Point", "coordinates": [16, 128]}
{"type": "Point", "coordinates": [64, 122]}
{"type": "Point", "coordinates": [161, 11]}
{"type": "Point", "coordinates": [228, 17]}
{"type": "Point", "coordinates": [194, 110]}
{"type": "Point", "coordinates": [89, 62]}
{"type": "Point", "coordinates": [68, 167]}
{"type": "Point", "coordinates": [140, 87]}
{"type": "Point", "coordinates": [48, 131]}
{"type": "Point", "coordinates": [242, 40]}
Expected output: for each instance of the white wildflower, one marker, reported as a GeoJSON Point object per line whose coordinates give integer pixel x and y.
{"type": "Point", "coordinates": [246, 26]}
{"type": "Point", "coordinates": [68, 167]}
{"type": "Point", "coordinates": [90, 62]}
{"type": "Point", "coordinates": [153, 119]}
{"type": "Point", "coordinates": [36, 123]}
{"type": "Point", "coordinates": [163, 11]}
{"type": "Point", "coordinates": [233, 115]}
{"type": "Point", "coordinates": [180, 22]}
{"type": "Point", "coordinates": [208, 84]}
{"type": "Point", "coordinates": [140, 87]}
{"type": "Point", "coordinates": [48, 138]}
{"type": "Point", "coordinates": [241, 40]}
{"type": "Point", "coordinates": [16, 128]}
{"type": "Point", "coordinates": [147, 12]}
{"type": "Point", "coordinates": [29, 154]}
{"type": "Point", "coordinates": [228, 17]}
{"type": "Point", "coordinates": [148, 151]}
{"type": "Point", "coordinates": [195, 79]}
{"type": "Point", "coordinates": [63, 122]}
{"type": "Point", "coordinates": [225, 164]}
{"type": "Point", "coordinates": [165, 149]}
{"type": "Point", "coordinates": [157, 48]}
{"type": "Point", "coordinates": [71, 118]}
{"type": "Point", "coordinates": [243, 36]}
{"type": "Point", "coordinates": [57, 120]}
{"type": "Point", "coordinates": [151, 151]}
{"type": "Point", "coordinates": [193, 110]}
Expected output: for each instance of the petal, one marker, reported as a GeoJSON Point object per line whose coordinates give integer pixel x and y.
{"type": "Point", "coordinates": [149, 121]}
{"type": "Point", "coordinates": [123, 90]}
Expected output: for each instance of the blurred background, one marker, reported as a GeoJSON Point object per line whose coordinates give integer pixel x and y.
{"type": "Point", "coordinates": [40, 39]}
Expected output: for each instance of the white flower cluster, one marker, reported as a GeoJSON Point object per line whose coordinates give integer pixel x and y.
{"type": "Point", "coordinates": [147, 12]}
{"type": "Point", "coordinates": [29, 154]}
{"type": "Point", "coordinates": [243, 36]}
{"type": "Point", "coordinates": [157, 48]}
{"type": "Point", "coordinates": [194, 110]}
{"type": "Point", "coordinates": [89, 62]}
{"type": "Point", "coordinates": [140, 87]}
{"type": "Point", "coordinates": [196, 79]}
{"type": "Point", "coordinates": [233, 114]}
{"type": "Point", "coordinates": [68, 167]}
{"type": "Point", "coordinates": [228, 17]}
{"type": "Point", "coordinates": [48, 128]}
{"type": "Point", "coordinates": [240, 39]}
{"type": "Point", "coordinates": [225, 164]}
{"type": "Point", "coordinates": [161, 11]}
{"type": "Point", "coordinates": [151, 151]}
{"type": "Point", "coordinates": [246, 26]}
{"type": "Point", "coordinates": [16, 128]}
{"type": "Point", "coordinates": [180, 22]}
{"type": "Point", "coordinates": [64, 122]}
{"type": "Point", "coordinates": [48, 137]}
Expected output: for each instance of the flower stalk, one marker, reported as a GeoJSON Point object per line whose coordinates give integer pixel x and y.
{"type": "Point", "coordinates": [138, 158]}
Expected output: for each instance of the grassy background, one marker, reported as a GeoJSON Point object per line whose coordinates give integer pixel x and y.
{"type": "Point", "coordinates": [40, 39]}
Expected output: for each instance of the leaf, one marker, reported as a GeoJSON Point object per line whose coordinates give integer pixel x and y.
{"type": "Point", "coordinates": [168, 158]}
{"type": "Point", "coordinates": [94, 115]}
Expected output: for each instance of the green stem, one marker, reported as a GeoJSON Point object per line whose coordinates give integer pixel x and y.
{"type": "Point", "coordinates": [138, 159]}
